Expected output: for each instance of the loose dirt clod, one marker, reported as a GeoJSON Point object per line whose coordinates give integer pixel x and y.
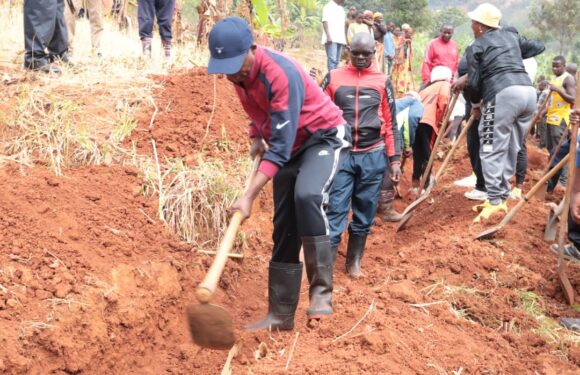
{"type": "Point", "coordinates": [210, 326]}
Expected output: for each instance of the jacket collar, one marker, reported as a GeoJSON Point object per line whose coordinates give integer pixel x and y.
{"type": "Point", "coordinates": [371, 69]}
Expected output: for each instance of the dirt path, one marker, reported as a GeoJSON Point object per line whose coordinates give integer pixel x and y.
{"type": "Point", "coordinates": [92, 282]}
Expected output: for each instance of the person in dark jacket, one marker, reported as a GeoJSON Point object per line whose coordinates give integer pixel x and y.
{"type": "Point", "coordinates": [45, 35]}
{"type": "Point", "coordinates": [366, 98]}
{"type": "Point", "coordinates": [496, 76]}
{"type": "Point", "coordinates": [308, 139]}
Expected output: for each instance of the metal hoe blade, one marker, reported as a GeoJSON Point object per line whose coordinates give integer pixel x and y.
{"type": "Point", "coordinates": [210, 326]}
{"type": "Point", "coordinates": [551, 227]}
{"type": "Point", "coordinates": [488, 232]}
{"type": "Point", "coordinates": [404, 221]}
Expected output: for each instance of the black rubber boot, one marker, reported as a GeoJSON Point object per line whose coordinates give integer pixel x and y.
{"type": "Point", "coordinates": [354, 254]}
{"type": "Point", "coordinates": [318, 256]}
{"type": "Point", "coordinates": [284, 281]}
{"type": "Point", "coordinates": [166, 48]}
{"type": "Point", "coordinates": [386, 210]}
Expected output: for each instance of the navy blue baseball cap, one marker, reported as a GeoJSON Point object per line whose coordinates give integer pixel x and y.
{"type": "Point", "coordinates": [229, 41]}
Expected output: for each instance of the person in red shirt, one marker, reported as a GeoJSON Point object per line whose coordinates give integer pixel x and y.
{"type": "Point", "coordinates": [367, 100]}
{"type": "Point", "coordinates": [307, 139]}
{"type": "Point", "coordinates": [435, 99]}
{"type": "Point", "coordinates": [441, 51]}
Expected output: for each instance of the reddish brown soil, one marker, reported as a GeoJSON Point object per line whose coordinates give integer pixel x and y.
{"type": "Point", "coordinates": [182, 127]}
{"type": "Point", "coordinates": [81, 254]}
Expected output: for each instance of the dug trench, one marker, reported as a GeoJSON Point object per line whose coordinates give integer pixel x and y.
{"type": "Point", "coordinates": [91, 281]}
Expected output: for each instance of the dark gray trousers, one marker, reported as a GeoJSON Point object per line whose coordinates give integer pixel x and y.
{"type": "Point", "coordinates": [45, 34]}
{"type": "Point", "coordinates": [504, 123]}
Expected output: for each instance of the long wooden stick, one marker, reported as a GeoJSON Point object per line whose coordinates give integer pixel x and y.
{"type": "Point", "coordinates": [207, 287]}
{"type": "Point", "coordinates": [411, 208]}
{"type": "Point", "coordinates": [440, 134]}
{"type": "Point", "coordinates": [522, 202]}
{"type": "Point", "coordinates": [562, 276]}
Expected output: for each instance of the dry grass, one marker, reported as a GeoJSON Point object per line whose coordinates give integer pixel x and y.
{"type": "Point", "coordinates": [84, 117]}
{"type": "Point", "coordinates": [548, 328]}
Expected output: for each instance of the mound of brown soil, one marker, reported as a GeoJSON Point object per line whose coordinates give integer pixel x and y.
{"type": "Point", "coordinates": [192, 118]}
{"type": "Point", "coordinates": [92, 282]}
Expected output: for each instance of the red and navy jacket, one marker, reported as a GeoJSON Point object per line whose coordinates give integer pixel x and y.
{"type": "Point", "coordinates": [285, 105]}
{"type": "Point", "coordinates": [368, 103]}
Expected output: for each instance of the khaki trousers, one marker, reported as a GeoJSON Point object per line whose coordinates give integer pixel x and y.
{"type": "Point", "coordinates": [95, 10]}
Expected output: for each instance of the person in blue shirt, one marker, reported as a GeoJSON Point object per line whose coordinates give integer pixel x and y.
{"type": "Point", "coordinates": [389, 42]}
{"type": "Point", "coordinates": [409, 113]}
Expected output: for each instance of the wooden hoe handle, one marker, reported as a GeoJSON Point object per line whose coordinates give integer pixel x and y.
{"type": "Point", "coordinates": [462, 135]}
{"type": "Point", "coordinates": [440, 134]}
{"type": "Point", "coordinates": [208, 286]}
{"type": "Point", "coordinates": [569, 186]}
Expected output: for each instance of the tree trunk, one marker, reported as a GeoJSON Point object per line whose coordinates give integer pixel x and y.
{"type": "Point", "coordinates": [283, 9]}
{"type": "Point", "coordinates": [244, 10]}
{"type": "Point", "coordinates": [210, 12]}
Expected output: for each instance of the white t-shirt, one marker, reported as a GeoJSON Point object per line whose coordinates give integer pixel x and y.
{"type": "Point", "coordinates": [531, 66]}
{"type": "Point", "coordinates": [335, 15]}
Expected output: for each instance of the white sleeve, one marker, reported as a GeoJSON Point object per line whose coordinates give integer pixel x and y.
{"type": "Point", "coordinates": [326, 14]}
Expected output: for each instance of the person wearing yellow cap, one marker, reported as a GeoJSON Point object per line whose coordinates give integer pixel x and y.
{"type": "Point", "coordinates": [497, 77]}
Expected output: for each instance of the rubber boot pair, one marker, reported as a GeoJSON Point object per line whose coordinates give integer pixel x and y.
{"type": "Point", "coordinates": [386, 210]}
{"type": "Point", "coordinates": [354, 254]}
{"type": "Point", "coordinates": [284, 281]}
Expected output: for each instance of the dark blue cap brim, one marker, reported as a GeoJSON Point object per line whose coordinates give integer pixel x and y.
{"type": "Point", "coordinates": [226, 66]}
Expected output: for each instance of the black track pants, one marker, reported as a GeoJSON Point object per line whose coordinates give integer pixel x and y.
{"type": "Point", "coordinates": [421, 151]}
{"type": "Point", "coordinates": [301, 193]}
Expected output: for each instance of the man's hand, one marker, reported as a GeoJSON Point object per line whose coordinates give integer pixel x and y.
{"type": "Point", "coordinates": [244, 205]}
{"type": "Point", "coordinates": [316, 74]}
{"type": "Point", "coordinates": [575, 117]}
{"type": "Point", "coordinates": [258, 147]}
{"type": "Point", "coordinates": [460, 84]}
{"type": "Point", "coordinates": [328, 40]}
{"type": "Point", "coordinates": [407, 152]}
{"type": "Point", "coordinates": [390, 57]}
{"type": "Point", "coordinates": [555, 88]}
{"type": "Point", "coordinates": [476, 112]}
{"type": "Point", "coordinates": [396, 171]}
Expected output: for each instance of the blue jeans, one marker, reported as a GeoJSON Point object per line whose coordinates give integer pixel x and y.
{"type": "Point", "coordinates": [333, 54]}
{"type": "Point", "coordinates": [358, 182]}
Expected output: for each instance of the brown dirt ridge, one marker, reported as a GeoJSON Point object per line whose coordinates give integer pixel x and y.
{"type": "Point", "coordinates": [92, 282]}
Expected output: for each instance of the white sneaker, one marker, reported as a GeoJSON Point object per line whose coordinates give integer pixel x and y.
{"type": "Point", "coordinates": [468, 182]}
{"type": "Point", "coordinates": [476, 195]}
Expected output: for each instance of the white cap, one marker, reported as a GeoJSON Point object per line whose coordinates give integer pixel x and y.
{"type": "Point", "coordinates": [440, 73]}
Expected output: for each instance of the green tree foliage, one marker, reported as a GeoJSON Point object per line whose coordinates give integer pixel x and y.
{"type": "Point", "coordinates": [557, 20]}
{"type": "Point", "coordinates": [447, 16]}
{"type": "Point", "coordinates": [413, 12]}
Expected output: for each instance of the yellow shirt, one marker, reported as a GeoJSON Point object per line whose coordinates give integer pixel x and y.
{"type": "Point", "coordinates": [558, 108]}
{"type": "Point", "coordinates": [355, 28]}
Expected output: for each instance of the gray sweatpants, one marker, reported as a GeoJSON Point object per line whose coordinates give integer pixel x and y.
{"type": "Point", "coordinates": [504, 123]}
